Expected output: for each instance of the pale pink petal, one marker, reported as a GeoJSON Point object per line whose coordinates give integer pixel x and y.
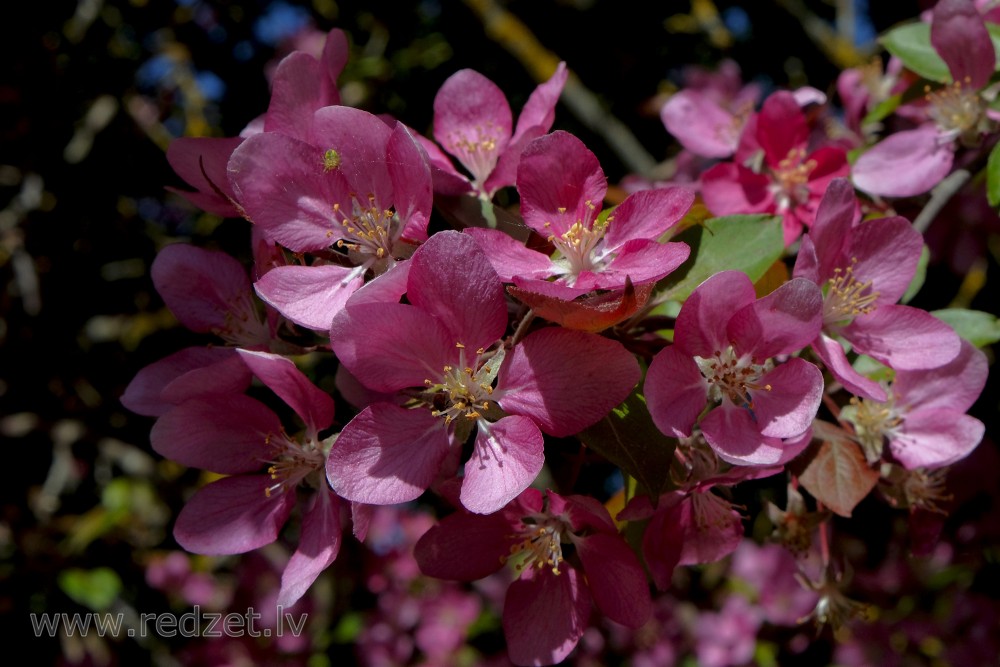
{"type": "Point", "coordinates": [735, 437]}
{"type": "Point", "coordinates": [283, 377]}
{"type": "Point", "coordinates": [788, 403]}
{"type": "Point", "coordinates": [701, 324]}
{"type": "Point", "coordinates": [904, 164]}
{"type": "Point", "coordinates": [464, 547]}
{"type": "Point", "coordinates": [903, 338]}
{"type": "Point", "coordinates": [835, 359]}
{"type": "Point", "coordinates": [319, 544]}
{"type": "Point", "coordinates": [544, 616]}
{"type": "Point", "coordinates": [616, 578]}
{"type": "Point", "coordinates": [510, 257]}
{"type": "Point", "coordinates": [388, 287]}
{"type": "Point", "coordinates": [391, 346]}
{"type": "Point", "coordinates": [232, 516]}
{"type": "Point", "coordinates": [310, 296]}
{"type": "Point", "coordinates": [507, 458]}
{"type": "Point", "coordinates": [565, 380]}
{"type": "Point", "coordinates": [648, 214]}
{"type": "Point", "coordinates": [700, 124]}
{"type": "Point", "coordinates": [201, 287]}
{"type": "Point", "coordinates": [452, 280]}
{"type": "Point", "coordinates": [676, 392]}
{"type": "Point", "coordinates": [559, 181]}
{"type": "Point", "coordinates": [387, 455]}
{"type": "Point", "coordinates": [807, 95]}
{"type": "Point", "coordinates": [960, 37]}
{"type": "Point", "coordinates": [783, 322]}
{"type": "Point", "coordinates": [472, 121]}
{"type": "Point", "coordinates": [955, 385]}
{"type": "Point", "coordinates": [934, 438]}
{"type": "Point", "coordinates": [223, 433]}
{"type": "Point", "coordinates": [144, 395]}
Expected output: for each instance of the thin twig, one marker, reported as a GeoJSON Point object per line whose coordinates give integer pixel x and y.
{"type": "Point", "coordinates": [940, 196]}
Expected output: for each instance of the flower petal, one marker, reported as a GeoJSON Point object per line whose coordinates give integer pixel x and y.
{"type": "Point", "coordinates": [903, 338]}
{"type": "Point", "coordinates": [544, 616]}
{"type": "Point", "coordinates": [960, 37]}
{"type": "Point", "coordinates": [700, 124]}
{"type": "Point", "coordinates": [701, 324]}
{"type": "Point", "coordinates": [648, 214]}
{"type": "Point", "coordinates": [934, 438]}
{"type": "Point", "coordinates": [310, 296]}
{"type": "Point", "coordinates": [319, 544]}
{"type": "Point", "coordinates": [283, 377]}
{"type": "Point", "coordinates": [789, 404]}
{"type": "Point", "coordinates": [676, 392]}
{"type": "Point", "coordinates": [904, 164]}
{"type": "Point", "coordinates": [472, 121]}
{"type": "Point", "coordinates": [616, 578]}
{"type": "Point", "coordinates": [783, 322]}
{"type": "Point", "coordinates": [464, 547]}
{"type": "Point", "coordinates": [733, 434]}
{"type": "Point", "coordinates": [507, 458]}
{"type": "Point", "coordinates": [835, 359]}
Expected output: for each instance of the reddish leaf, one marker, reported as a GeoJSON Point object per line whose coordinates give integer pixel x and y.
{"type": "Point", "coordinates": [591, 312]}
{"type": "Point", "coordinates": [839, 476]}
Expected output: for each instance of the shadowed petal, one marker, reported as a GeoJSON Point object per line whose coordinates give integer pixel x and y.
{"type": "Point", "coordinates": [319, 544]}
{"type": "Point", "coordinates": [464, 547]}
{"type": "Point", "coordinates": [311, 403]}
{"type": "Point", "coordinates": [960, 37]}
{"type": "Point", "coordinates": [508, 456]}
{"type": "Point", "coordinates": [783, 322]}
{"type": "Point", "coordinates": [616, 578]}
{"type": "Point", "coordinates": [648, 214]}
{"type": "Point", "coordinates": [310, 296]}
{"type": "Point", "coordinates": [701, 324]}
{"type": "Point", "coordinates": [544, 616]}
{"type": "Point", "coordinates": [733, 434]}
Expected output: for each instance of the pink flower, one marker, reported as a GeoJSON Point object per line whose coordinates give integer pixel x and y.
{"type": "Point", "coordinates": [442, 351]}
{"type": "Point", "coordinates": [911, 162]}
{"type": "Point", "coordinates": [547, 608]}
{"type": "Point", "coordinates": [473, 121]}
{"type": "Point", "coordinates": [562, 188]}
{"type": "Point", "coordinates": [923, 417]}
{"type": "Point", "coordinates": [357, 191]}
{"type": "Point", "coordinates": [785, 176]}
{"type": "Point", "coordinates": [235, 435]}
{"type": "Point", "coordinates": [864, 269]}
{"type": "Point", "coordinates": [725, 344]}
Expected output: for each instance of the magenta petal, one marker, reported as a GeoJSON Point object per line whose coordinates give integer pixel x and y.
{"type": "Point", "coordinates": [701, 324]}
{"type": "Point", "coordinates": [193, 371]}
{"type": "Point", "coordinates": [361, 141]}
{"type": "Point", "coordinates": [661, 544]}
{"type": "Point", "coordinates": [544, 616]}
{"type": "Point", "coordinates": [833, 356]}
{"type": "Point", "coordinates": [616, 578]}
{"type": "Point", "coordinates": [510, 257]}
{"type": "Point", "coordinates": [202, 163]}
{"type": "Point", "coordinates": [540, 109]}
{"type": "Point", "coordinates": [471, 114]}
{"type": "Point", "coordinates": [783, 322]}
{"type": "Point", "coordinates": [387, 455]}
{"type": "Point", "coordinates": [319, 544]}
{"type": "Point", "coordinates": [789, 404]}
{"type": "Point", "coordinates": [300, 86]}
{"type": "Point", "coordinates": [960, 37]}
{"type": "Point", "coordinates": [201, 287]}
{"type": "Point", "coordinates": [904, 164]}
{"type": "Point", "coordinates": [903, 338]}
{"type": "Point", "coordinates": [508, 456]}
{"type": "Point", "coordinates": [451, 279]}
{"type": "Point", "coordinates": [830, 231]}
{"type": "Point", "coordinates": [311, 403]}
{"type": "Point", "coordinates": [886, 252]}
{"type": "Point", "coordinates": [391, 346]}
{"type": "Point", "coordinates": [565, 380]}
{"type": "Point", "coordinates": [676, 392]}
{"type": "Point", "coordinates": [781, 126]}
{"type": "Point", "coordinates": [223, 433]}
{"type": "Point", "coordinates": [700, 124]}
{"type": "Point", "coordinates": [464, 547]}
{"type": "Point", "coordinates": [648, 214]}
{"type": "Point", "coordinates": [642, 261]}
{"type": "Point", "coordinates": [735, 437]}
{"type": "Point", "coordinates": [731, 189]}
{"type": "Point", "coordinates": [413, 195]}
{"type": "Point", "coordinates": [559, 180]}
{"type": "Point", "coordinates": [284, 186]}
{"type": "Point", "coordinates": [708, 528]}
{"type": "Point", "coordinates": [310, 296]}
{"type": "Point", "coordinates": [935, 438]}
{"type": "Point", "coordinates": [232, 516]}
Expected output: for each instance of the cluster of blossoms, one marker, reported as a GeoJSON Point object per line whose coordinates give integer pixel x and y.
{"type": "Point", "coordinates": [467, 357]}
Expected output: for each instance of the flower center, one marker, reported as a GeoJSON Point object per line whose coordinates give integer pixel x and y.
{"type": "Point", "coordinates": [958, 111]}
{"type": "Point", "coordinates": [464, 390]}
{"type": "Point", "coordinates": [368, 232]}
{"type": "Point", "coordinates": [578, 246]}
{"type": "Point", "coordinates": [243, 326]}
{"type": "Point", "coordinates": [539, 543]}
{"type": "Point", "coordinates": [293, 462]}
{"type": "Point", "coordinates": [846, 297]}
{"type": "Point", "coordinates": [790, 180]}
{"type": "Point", "coordinates": [478, 152]}
{"type": "Point", "coordinates": [733, 377]}
{"type": "Point", "coordinates": [872, 422]}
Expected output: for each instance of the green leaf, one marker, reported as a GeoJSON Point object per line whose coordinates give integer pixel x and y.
{"type": "Point", "coordinates": [919, 276]}
{"type": "Point", "coordinates": [628, 438]}
{"type": "Point", "coordinates": [975, 326]}
{"type": "Point", "coordinates": [912, 45]}
{"type": "Point", "coordinates": [882, 110]}
{"type": "Point", "coordinates": [747, 243]}
{"type": "Point", "coordinates": [95, 589]}
{"type": "Point", "coordinates": [993, 177]}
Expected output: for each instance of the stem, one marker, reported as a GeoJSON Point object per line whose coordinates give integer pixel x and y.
{"type": "Point", "coordinates": [522, 328]}
{"type": "Point", "coordinates": [940, 196]}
